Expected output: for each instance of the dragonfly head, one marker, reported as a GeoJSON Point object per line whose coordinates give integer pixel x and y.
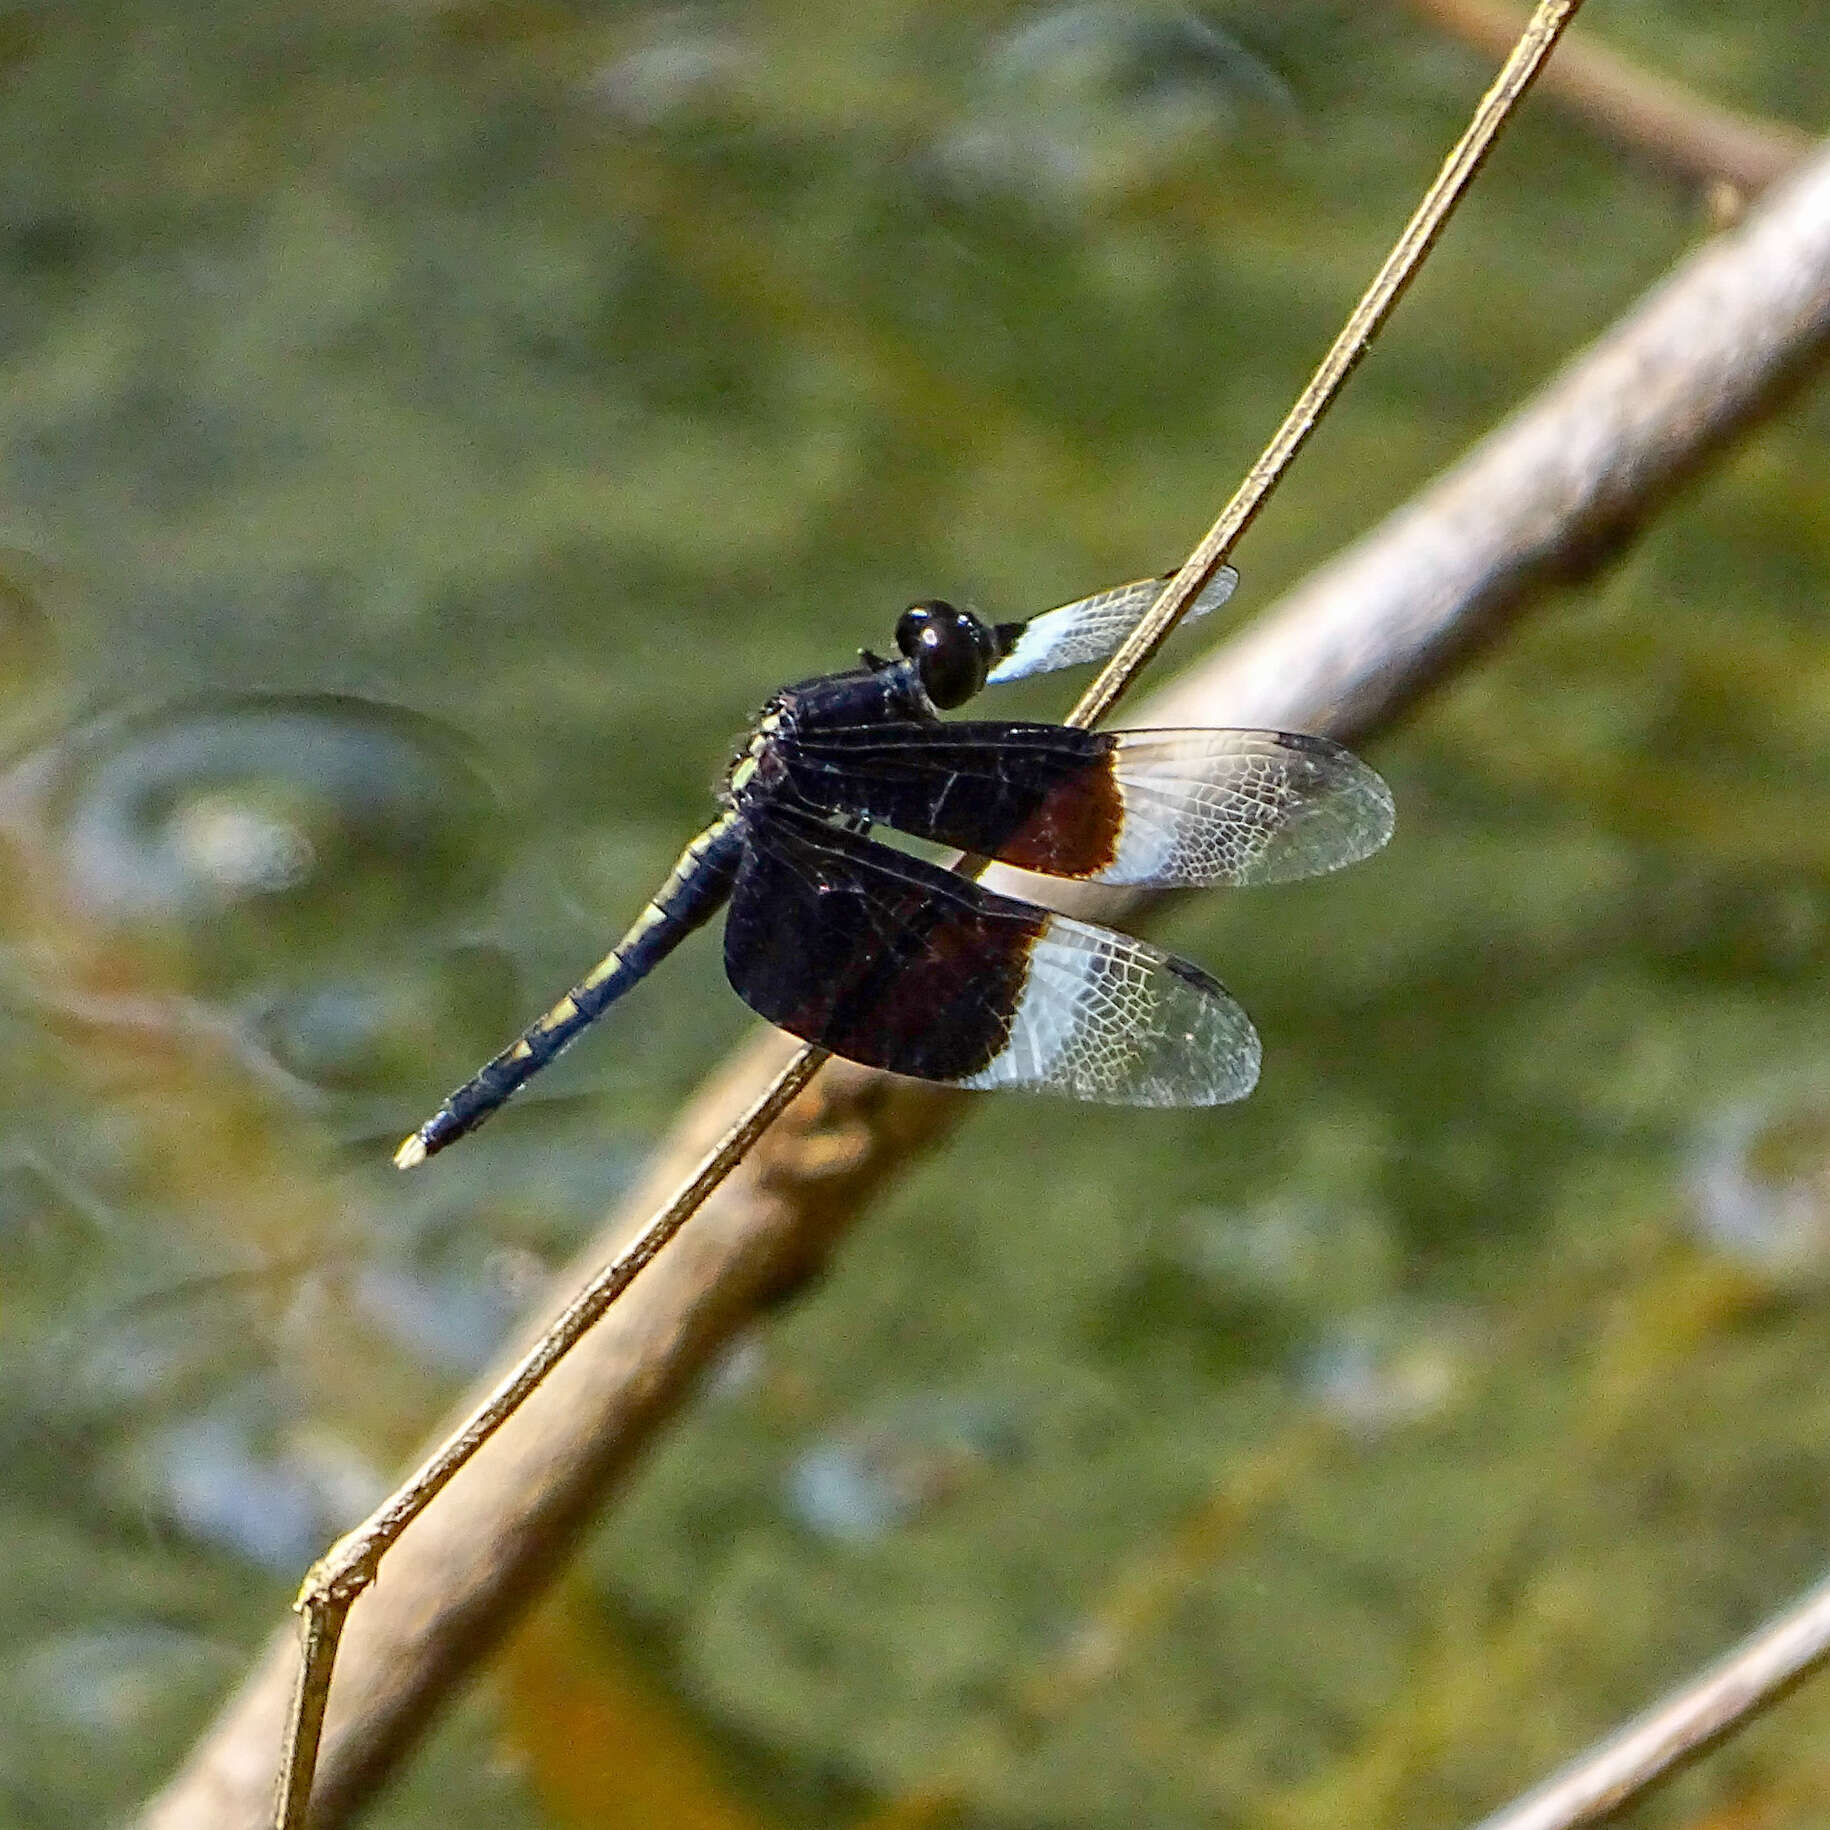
{"type": "Point", "coordinates": [952, 650]}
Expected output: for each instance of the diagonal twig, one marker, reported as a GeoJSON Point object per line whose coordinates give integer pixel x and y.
{"type": "Point", "coordinates": [335, 1583]}
{"type": "Point", "coordinates": [1683, 133]}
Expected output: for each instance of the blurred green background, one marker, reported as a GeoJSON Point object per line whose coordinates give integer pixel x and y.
{"type": "Point", "coordinates": [430, 429]}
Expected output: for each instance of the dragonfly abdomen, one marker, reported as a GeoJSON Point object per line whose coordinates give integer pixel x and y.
{"type": "Point", "coordinates": [695, 890]}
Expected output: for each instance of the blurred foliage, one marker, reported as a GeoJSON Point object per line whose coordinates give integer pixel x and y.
{"type": "Point", "coordinates": [431, 429]}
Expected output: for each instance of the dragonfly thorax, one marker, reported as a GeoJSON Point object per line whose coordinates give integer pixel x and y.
{"type": "Point", "coordinates": [757, 768]}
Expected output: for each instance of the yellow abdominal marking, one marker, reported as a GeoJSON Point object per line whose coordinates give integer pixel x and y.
{"type": "Point", "coordinates": [562, 1012]}
{"type": "Point", "coordinates": [601, 971]}
{"type": "Point", "coordinates": [745, 772]}
{"type": "Point", "coordinates": [520, 1052]}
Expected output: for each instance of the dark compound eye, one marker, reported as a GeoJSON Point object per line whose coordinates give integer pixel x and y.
{"type": "Point", "coordinates": [952, 650]}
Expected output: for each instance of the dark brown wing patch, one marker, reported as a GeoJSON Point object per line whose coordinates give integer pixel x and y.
{"type": "Point", "coordinates": [1041, 796]}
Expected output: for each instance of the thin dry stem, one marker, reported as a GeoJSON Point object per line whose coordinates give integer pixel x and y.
{"type": "Point", "coordinates": [1674, 128]}
{"type": "Point", "coordinates": [1539, 37]}
{"type": "Point", "coordinates": [334, 1583]}
{"type": "Point", "coordinates": [320, 1628]}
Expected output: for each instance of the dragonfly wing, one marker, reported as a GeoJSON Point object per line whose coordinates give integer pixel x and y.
{"type": "Point", "coordinates": [1241, 807]}
{"type": "Point", "coordinates": [1094, 627]}
{"type": "Point", "coordinates": [1170, 807]}
{"type": "Point", "coordinates": [898, 964]}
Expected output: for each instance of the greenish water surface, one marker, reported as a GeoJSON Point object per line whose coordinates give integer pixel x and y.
{"type": "Point", "coordinates": [429, 431]}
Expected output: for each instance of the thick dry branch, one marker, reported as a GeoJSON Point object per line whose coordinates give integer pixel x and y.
{"type": "Point", "coordinates": [1764, 1667]}
{"type": "Point", "coordinates": [1547, 498]}
{"type": "Point", "coordinates": [1676, 129]}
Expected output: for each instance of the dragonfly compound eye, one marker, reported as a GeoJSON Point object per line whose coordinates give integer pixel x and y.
{"type": "Point", "coordinates": [951, 648]}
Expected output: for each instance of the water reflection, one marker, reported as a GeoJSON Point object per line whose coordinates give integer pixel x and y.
{"type": "Point", "coordinates": [1233, 1289]}
{"type": "Point", "coordinates": [193, 809]}
{"type": "Point", "coordinates": [141, 1355]}
{"type": "Point", "coordinates": [25, 621]}
{"type": "Point", "coordinates": [274, 1497]}
{"type": "Point", "coordinates": [369, 1029]}
{"type": "Point", "coordinates": [452, 1320]}
{"type": "Point", "coordinates": [1083, 105]}
{"type": "Point", "coordinates": [688, 70]}
{"type": "Point", "coordinates": [882, 1472]}
{"type": "Point", "coordinates": [1290, 1250]}
{"type": "Point", "coordinates": [1759, 1180]}
{"type": "Point", "coordinates": [1391, 1366]}
{"type": "Point", "coordinates": [84, 1710]}
{"type": "Point", "coordinates": [261, 878]}
{"type": "Point", "coordinates": [48, 1217]}
{"type": "Point", "coordinates": [95, 1687]}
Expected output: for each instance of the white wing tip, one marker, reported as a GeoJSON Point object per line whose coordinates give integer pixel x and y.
{"type": "Point", "coordinates": [1056, 638]}
{"type": "Point", "coordinates": [1215, 592]}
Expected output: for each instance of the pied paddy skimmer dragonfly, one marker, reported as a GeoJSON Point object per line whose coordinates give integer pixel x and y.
{"type": "Point", "coordinates": [886, 959]}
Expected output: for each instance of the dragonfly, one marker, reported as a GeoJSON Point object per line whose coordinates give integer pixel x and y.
{"type": "Point", "coordinates": [887, 959]}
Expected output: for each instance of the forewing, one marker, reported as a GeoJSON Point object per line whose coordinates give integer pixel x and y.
{"type": "Point", "coordinates": [1040, 795]}
{"type": "Point", "coordinates": [1241, 807]}
{"type": "Point", "coordinates": [1181, 807]}
{"type": "Point", "coordinates": [898, 964]}
{"type": "Point", "coordinates": [1094, 627]}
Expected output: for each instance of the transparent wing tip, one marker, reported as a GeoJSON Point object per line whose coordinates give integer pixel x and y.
{"type": "Point", "coordinates": [1363, 811]}
{"type": "Point", "coordinates": [1215, 592]}
{"type": "Point", "coordinates": [1095, 627]}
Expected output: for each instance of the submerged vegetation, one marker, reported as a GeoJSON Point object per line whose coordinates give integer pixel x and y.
{"type": "Point", "coordinates": [431, 432]}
